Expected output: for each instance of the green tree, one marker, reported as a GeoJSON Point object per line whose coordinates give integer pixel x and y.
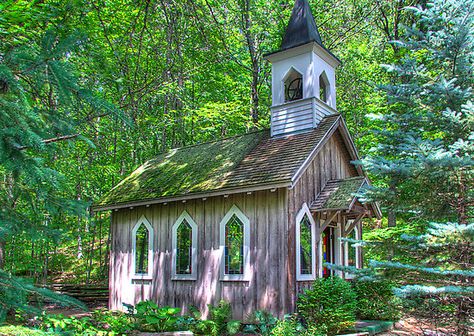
{"type": "Point", "coordinates": [426, 158]}
{"type": "Point", "coordinates": [42, 105]}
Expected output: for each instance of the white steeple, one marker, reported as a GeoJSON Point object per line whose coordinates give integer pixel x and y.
{"type": "Point", "coordinates": [303, 76]}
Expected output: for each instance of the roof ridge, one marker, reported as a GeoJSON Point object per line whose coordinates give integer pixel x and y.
{"type": "Point", "coordinates": [213, 141]}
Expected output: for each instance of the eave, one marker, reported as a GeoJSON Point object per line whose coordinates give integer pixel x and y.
{"type": "Point", "coordinates": [191, 196]}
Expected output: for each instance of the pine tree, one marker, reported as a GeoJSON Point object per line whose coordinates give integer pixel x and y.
{"type": "Point", "coordinates": [41, 105]}
{"type": "Point", "coordinates": [426, 159]}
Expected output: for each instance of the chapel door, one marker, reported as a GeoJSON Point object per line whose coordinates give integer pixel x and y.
{"type": "Point", "coordinates": [327, 250]}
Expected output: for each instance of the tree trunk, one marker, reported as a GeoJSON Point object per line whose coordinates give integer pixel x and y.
{"type": "Point", "coordinates": [392, 218]}
{"type": "Point", "coordinates": [2, 253]}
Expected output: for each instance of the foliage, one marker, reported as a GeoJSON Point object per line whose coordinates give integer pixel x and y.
{"type": "Point", "coordinates": [113, 321]}
{"type": "Point", "coordinates": [329, 305]}
{"type": "Point", "coordinates": [204, 327]}
{"type": "Point", "coordinates": [16, 292]}
{"type": "Point", "coordinates": [219, 322]}
{"type": "Point", "coordinates": [21, 331]}
{"type": "Point", "coordinates": [425, 157]}
{"type": "Point", "coordinates": [262, 323]}
{"type": "Point", "coordinates": [101, 322]}
{"type": "Point", "coordinates": [150, 317]}
{"type": "Point", "coordinates": [74, 326]}
{"type": "Point", "coordinates": [287, 327]}
{"type": "Point", "coordinates": [376, 301]}
{"type": "Point", "coordinates": [221, 315]}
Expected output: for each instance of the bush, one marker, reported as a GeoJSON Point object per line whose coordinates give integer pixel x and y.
{"type": "Point", "coordinates": [376, 301]}
{"type": "Point", "coordinates": [329, 305]}
{"type": "Point", "coordinates": [289, 326]}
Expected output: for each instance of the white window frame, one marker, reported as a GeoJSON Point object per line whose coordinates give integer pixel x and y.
{"type": "Point", "coordinates": [282, 84]}
{"type": "Point", "coordinates": [299, 217]}
{"type": "Point", "coordinates": [234, 210]}
{"type": "Point", "coordinates": [174, 234]}
{"type": "Point", "coordinates": [148, 226]}
{"type": "Point", "coordinates": [357, 250]}
{"type": "Point", "coordinates": [323, 75]}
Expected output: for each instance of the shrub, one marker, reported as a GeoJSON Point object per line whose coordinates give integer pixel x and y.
{"type": "Point", "coordinates": [328, 306]}
{"type": "Point", "coordinates": [376, 301]}
{"type": "Point", "coordinates": [289, 326]}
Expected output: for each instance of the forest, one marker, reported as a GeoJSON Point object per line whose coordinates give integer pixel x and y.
{"type": "Point", "coordinates": [91, 89]}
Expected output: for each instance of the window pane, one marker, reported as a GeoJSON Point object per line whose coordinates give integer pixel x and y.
{"type": "Point", "coordinates": [351, 251]}
{"type": "Point", "coordinates": [141, 250]}
{"type": "Point", "coordinates": [234, 246]}
{"type": "Point", "coordinates": [306, 263]}
{"type": "Point", "coordinates": [184, 237]}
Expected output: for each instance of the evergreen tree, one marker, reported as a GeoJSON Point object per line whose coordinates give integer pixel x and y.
{"type": "Point", "coordinates": [426, 159]}
{"type": "Point", "coordinates": [41, 105]}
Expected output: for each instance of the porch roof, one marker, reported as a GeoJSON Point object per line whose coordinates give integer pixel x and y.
{"type": "Point", "coordinates": [339, 194]}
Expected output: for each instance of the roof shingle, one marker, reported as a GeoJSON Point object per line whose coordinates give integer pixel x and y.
{"type": "Point", "coordinates": [243, 161]}
{"type": "Point", "coordinates": [339, 194]}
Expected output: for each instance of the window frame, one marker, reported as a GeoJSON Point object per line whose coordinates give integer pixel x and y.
{"type": "Point", "coordinates": [234, 210]}
{"type": "Point", "coordinates": [338, 252]}
{"type": "Point", "coordinates": [299, 217]}
{"type": "Point", "coordinates": [149, 227]}
{"type": "Point", "coordinates": [194, 236]}
{"type": "Point", "coordinates": [323, 77]}
{"type": "Point", "coordinates": [287, 75]}
{"type": "Point", "coordinates": [356, 248]}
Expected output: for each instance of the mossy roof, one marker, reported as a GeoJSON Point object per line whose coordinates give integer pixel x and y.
{"type": "Point", "coordinates": [339, 194]}
{"type": "Point", "coordinates": [243, 161]}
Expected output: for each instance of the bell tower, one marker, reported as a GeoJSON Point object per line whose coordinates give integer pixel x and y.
{"type": "Point", "coordinates": [303, 76]}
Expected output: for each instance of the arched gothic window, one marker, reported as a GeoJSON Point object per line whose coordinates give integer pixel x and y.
{"type": "Point", "coordinates": [234, 241]}
{"type": "Point", "coordinates": [324, 89]}
{"type": "Point", "coordinates": [293, 83]}
{"type": "Point", "coordinates": [142, 248]}
{"type": "Point", "coordinates": [305, 245]}
{"type": "Point", "coordinates": [184, 237]}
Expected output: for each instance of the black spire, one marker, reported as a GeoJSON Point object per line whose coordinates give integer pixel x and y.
{"type": "Point", "coordinates": [301, 29]}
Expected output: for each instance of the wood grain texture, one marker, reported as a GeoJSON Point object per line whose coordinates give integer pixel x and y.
{"type": "Point", "coordinates": [272, 284]}
{"type": "Point", "coordinates": [331, 162]}
{"type": "Point", "coordinates": [266, 211]}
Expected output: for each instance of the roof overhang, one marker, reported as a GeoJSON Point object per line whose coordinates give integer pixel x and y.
{"type": "Point", "coordinates": [324, 53]}
{"type": "Point", "coordinates": [349, 144]}
{"type": "Point", "coordinates": [197, 195]}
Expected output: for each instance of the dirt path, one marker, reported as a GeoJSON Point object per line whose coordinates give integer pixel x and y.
{"type": "Point", "coordinates": [411, 326]}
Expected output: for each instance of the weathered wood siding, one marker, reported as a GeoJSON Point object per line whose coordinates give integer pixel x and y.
{"type": "Point", "coordinates": [331, 162]}
{"type": "Point", "coordinates": [267, 212]}
{"type": "Point", "coordinates": [292, 116]}
{"type": "Point", "coordinates": [298, 115]}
